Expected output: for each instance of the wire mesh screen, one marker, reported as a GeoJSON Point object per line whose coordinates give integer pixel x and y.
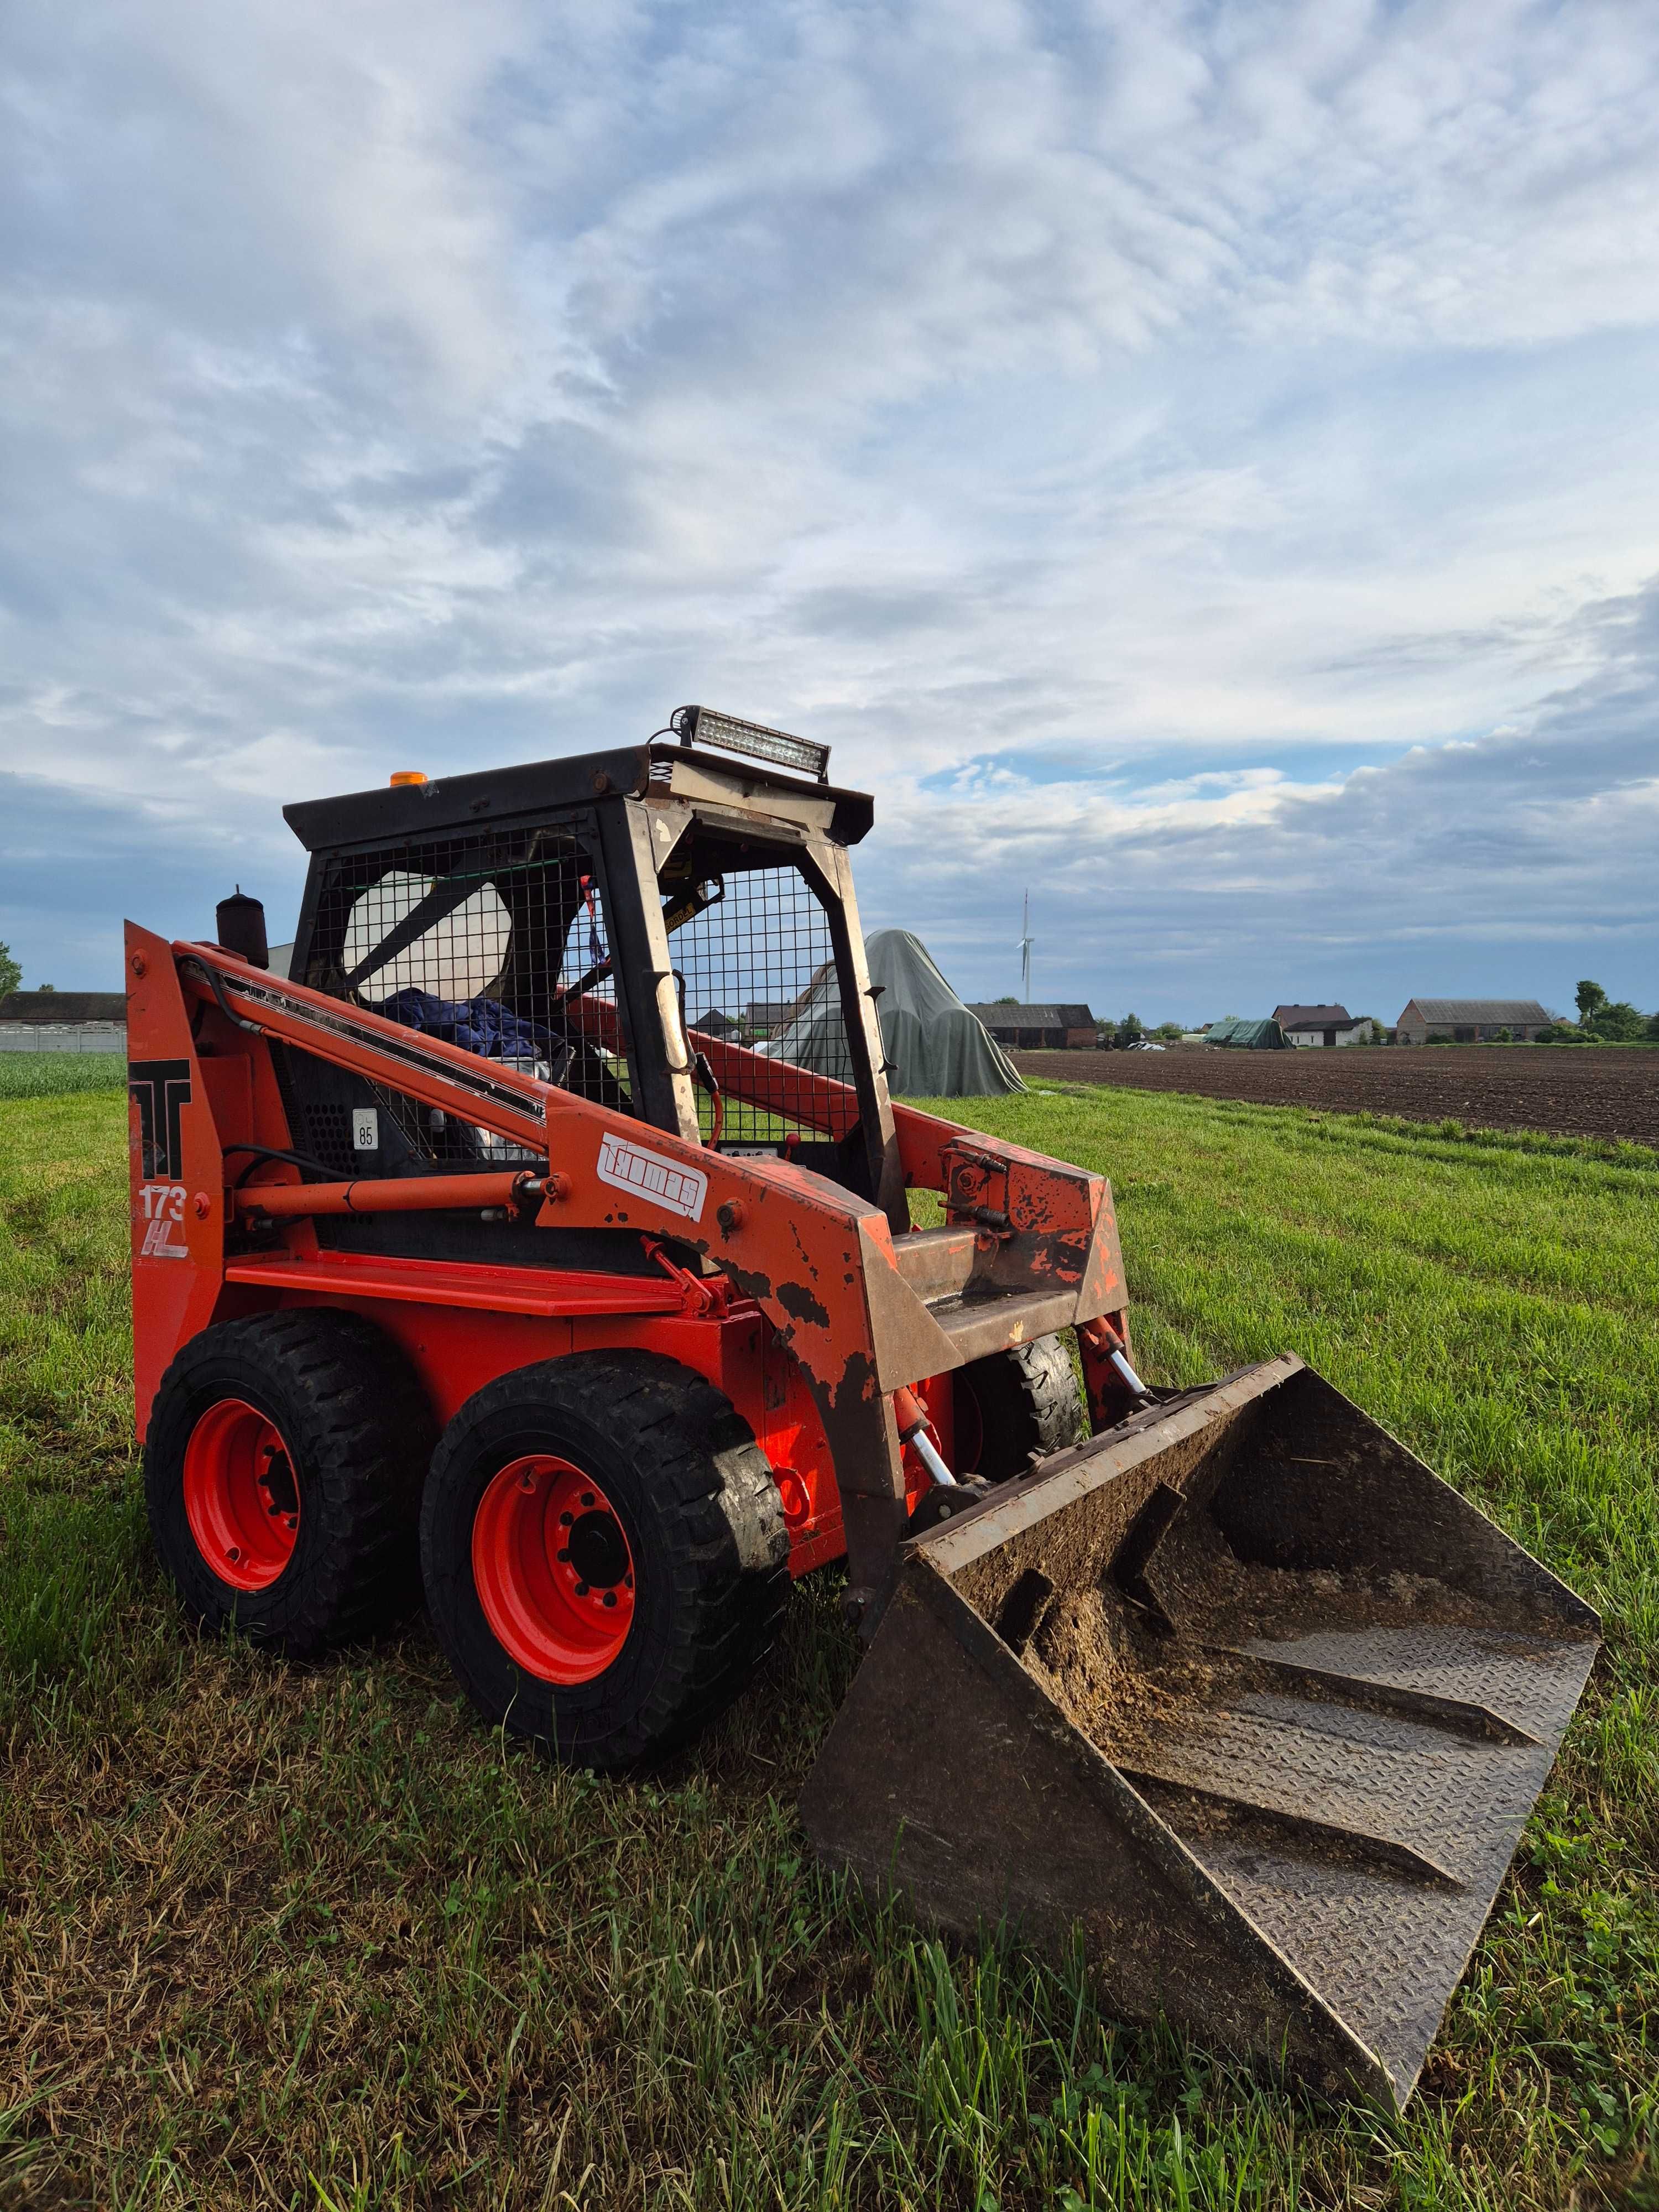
{"type": "Point", "coordinates": [496, 943]}
{"type": "Point", "coordinates": [756, 969]}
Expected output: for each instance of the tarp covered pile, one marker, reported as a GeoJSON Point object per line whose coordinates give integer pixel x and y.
{"type": "Point", "coordinates": [935, 1048]}
{"type": "Point", "coordinates": [1265, 1036]}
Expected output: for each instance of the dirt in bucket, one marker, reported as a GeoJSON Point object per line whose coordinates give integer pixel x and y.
{"type": "Point", "coordinates": [1116, 1680]}
{"type": "Point", "coordinates": [1131, 1672]}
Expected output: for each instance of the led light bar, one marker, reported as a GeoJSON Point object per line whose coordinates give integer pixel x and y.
{"type": "Point", "coordinates": [701, 726]}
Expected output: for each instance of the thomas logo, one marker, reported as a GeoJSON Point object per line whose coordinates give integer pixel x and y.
{"type": "Point", "coordinates": [161, 1088]}
{"type": "Point", "coordinates": [647, 1175]}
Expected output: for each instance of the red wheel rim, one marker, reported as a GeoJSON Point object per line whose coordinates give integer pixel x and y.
{"type": "Point", "coordinates": [240, 1496]}
{"type": "Point", "coordinates": [553, 1570]}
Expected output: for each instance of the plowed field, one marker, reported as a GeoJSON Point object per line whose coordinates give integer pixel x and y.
{"type": "Point", "coordinates": [1603, 1090]}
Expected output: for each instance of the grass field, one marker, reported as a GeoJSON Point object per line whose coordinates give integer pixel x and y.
{"type": "Point", "coordinates": [56, 1074]}
{"type": "Point", "coordinates": [311, 1937]}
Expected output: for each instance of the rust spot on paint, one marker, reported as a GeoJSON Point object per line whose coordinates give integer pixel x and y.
{"type": "Point", "coordinates": [797, 1300]}
{"type": "Point", "coordinates": [806, 1257]}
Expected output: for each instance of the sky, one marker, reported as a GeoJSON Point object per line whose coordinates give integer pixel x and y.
{"type": "Point", "coordinates": [1197, 464]}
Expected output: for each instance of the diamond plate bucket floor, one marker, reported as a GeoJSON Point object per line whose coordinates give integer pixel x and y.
{"type": "Point", "coordinates": [1248, 1695]}
{"type": "Point", "coordinates": [1367, 1846]}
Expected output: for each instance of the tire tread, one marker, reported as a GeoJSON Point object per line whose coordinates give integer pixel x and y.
{"type": "Point", "coordinates": [366, 1438]}
{"type": "Point", "coordinates": [722, 1523]}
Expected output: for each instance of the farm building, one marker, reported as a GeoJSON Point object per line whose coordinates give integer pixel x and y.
{"type": "Point", "coordinates": [1039, 1028]}
{"type": "Point", "coordinates": [63, 1021]}
{"type": "Point", "coordinates": [1321, 1025]}
{"type": "Point", "coordinates": [64, 1009]}
{"type": "Point", "coordinates": [1470, 1021]}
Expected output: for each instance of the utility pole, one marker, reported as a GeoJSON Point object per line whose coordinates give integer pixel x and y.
{"type": "Point", "coordinates": [1025, 943]}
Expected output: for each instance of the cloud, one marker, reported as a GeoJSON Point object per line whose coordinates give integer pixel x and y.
{"type": "Point", "coordinates": [74, 864]}
{"type": "Point", "coordinates": [1045, 394]}
{"type": "Point", "coordinates": [1500, 863]}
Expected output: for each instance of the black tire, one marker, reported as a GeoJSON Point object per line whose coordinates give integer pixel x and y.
{"type": "Point", "coordinates": [703, 1523]}
{"type": "Point", "coordinates": [358, 1436]}
{"type": "Point", "coordinates": [1018, 1402]}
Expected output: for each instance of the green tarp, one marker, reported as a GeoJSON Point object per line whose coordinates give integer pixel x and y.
{"type": "Point", "coordinates": [935, 1048]}
{"type": "Point", "coordinates": [1261, 1036]}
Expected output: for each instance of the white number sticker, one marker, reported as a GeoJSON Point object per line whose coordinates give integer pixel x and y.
{"type": "Point", "coordinates": [164, 1209]}
{"type": "Point", "coordinates": [364, 1129]}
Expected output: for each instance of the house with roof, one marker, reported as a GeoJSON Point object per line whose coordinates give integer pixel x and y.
{"type": "Point", "coordinates": [1470, 1021]}
{"type": "Point", "coordinates": [1321, 1025]}
{"type": "Point", "coordinates": [1062, 1028]}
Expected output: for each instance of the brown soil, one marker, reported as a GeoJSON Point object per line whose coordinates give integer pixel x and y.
{"type": "Point", "coordinates": [1128, 1688]}
{"type": "Point", "coordinates": [1603, 1090]}
{"type": "Point", "coordinates": [1083, 1654]}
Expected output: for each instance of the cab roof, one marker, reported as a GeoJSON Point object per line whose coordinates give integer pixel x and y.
{"type": "Point", "coordinates": [534, 789]}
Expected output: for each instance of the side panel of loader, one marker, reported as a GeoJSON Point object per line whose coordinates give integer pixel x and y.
{"type": "Point", "coordinates": [176, 1172]}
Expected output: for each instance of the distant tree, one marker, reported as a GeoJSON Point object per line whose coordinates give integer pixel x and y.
{"type": "Point", "coordinates": [1168, 1032]}
{"type": "Point", "coordinates": [10, 974]}
{"type": "Point", "coordinates": [1653, 1027]}
{"type": "Point", "coordinates": [45, 986]}
{"type": "Point", "coordinates": [1505, 1037]}
{"type": "Point", "coordinates": [1590, 998]}
{"type": "Point", "coordinates": [1617, 1021]}
{"type": "Point", "coordinates": [1011, 1001]}
{"type": "Point", "coordinates": [1129, 1031]}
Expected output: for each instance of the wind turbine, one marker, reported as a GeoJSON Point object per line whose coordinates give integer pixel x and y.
{"type": "Point", "coordinates": [1026, 941]}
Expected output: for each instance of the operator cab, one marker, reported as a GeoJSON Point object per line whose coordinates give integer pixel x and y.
{"type": "Point", "coordinates": [668, 930]}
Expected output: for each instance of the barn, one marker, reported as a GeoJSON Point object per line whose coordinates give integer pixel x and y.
{"type": "Point", "coordinates": [63, 1021]}
{"type": "Point", "coordinates": [1061, 1028]}
{"type": "Point", "coordinates": [1470, 1021]}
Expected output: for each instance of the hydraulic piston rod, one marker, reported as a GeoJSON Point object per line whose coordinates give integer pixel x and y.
{"type": "Point", "coordinates": [417, 1195]}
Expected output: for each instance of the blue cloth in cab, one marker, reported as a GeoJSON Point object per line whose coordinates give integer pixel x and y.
{"type": "Point", "coordinates": [482, 1025]}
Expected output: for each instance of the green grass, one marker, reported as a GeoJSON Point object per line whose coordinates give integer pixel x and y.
{"type": "Point", "coordinates": [310, 1937]}
{"type": "Point", "coordinates": [54, 1074]}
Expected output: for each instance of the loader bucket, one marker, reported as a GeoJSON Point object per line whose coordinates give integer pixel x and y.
{"type": "Point", "coordinates": [1242, 1692]}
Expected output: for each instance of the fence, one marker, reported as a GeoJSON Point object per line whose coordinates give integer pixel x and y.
{"type": "Point", "coordinates": [63, 1036]}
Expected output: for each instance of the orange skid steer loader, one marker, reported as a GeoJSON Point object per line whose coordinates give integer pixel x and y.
{"type": "Point", "coordinates": [540, 1246]}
